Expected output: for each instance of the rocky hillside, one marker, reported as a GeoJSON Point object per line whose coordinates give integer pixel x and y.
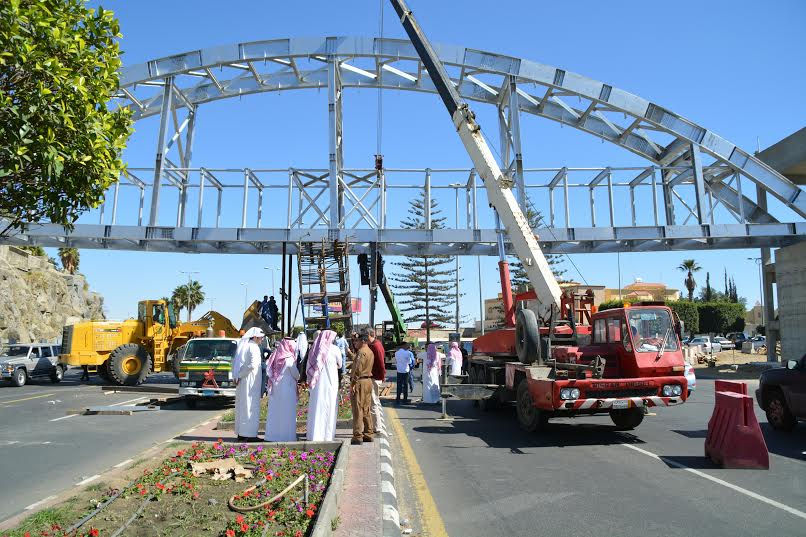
{"type": "Point", "coordinates": [38, 299]}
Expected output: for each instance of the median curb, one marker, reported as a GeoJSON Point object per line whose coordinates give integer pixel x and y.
{"type": "Point", "coordinates": [390, 514]}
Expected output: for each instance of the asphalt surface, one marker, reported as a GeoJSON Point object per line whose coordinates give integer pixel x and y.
{"type": "Point", "coordinates": [579, 477]}
{"type": "Point", "coordinates": [43, 452]}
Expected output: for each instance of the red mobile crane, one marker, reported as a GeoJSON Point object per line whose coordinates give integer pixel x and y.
{"type": "Point", "coordinates": [618, 362]}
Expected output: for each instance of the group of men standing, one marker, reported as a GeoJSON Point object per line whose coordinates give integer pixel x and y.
{"type": "Point", "coordinates": [321, 365]}
{"type": "Point", "coordinates": [269, 312]}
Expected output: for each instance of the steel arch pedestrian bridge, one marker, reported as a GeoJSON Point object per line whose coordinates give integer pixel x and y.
{"type": "Point", "coordinates": [697, 190]}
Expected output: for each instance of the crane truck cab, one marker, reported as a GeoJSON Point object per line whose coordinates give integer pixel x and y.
{"type": "Point", "coordinates": [634, 361]}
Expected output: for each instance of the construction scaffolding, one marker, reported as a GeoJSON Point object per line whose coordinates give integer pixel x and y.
{"type": "Point", "coordinates": [324, 282]}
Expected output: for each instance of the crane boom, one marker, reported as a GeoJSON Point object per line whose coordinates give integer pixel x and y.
{"type": "Point", "coordinates": [498, 185]}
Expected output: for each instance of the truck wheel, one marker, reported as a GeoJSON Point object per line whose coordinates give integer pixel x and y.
{"type": "Point", "coordinates": [20, 378]}
{"type": "Point", "coordinates": [57, 375]}
{"type": "Point", "coordinates": [778, 414]}
{"type": "Point", "coordinates": [129, 364]}
{"type": "Point", "coordinates": [530, 417]}
{"type": "Point", "coordinates": [527, 337]}
{"type": "Point", "coordinates": [627, 419]}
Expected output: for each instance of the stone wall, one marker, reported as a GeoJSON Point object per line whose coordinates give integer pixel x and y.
{"type": "Point", "coordinates": [37, 299]}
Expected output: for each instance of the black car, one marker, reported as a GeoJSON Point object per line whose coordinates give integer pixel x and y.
{"type": "Point", "coordinates": [782, 394]}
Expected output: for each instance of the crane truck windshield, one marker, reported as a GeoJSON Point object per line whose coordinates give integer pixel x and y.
{"type": "Point", "coordinates": [650, 328]}
{"type": "Point", "coordinates": [209, 350]}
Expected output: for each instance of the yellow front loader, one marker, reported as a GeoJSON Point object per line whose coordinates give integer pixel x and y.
{"type": "Point", "coordinates": [125, 352]}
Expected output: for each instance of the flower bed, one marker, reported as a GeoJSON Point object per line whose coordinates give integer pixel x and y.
{"type": "Point", "coordinates": [344, 411]}
{"type": "Point", "coordinates": [175, 502]}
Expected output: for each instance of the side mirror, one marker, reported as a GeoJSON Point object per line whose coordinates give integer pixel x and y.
{"type": "Point", "coordinates": [792, 364]}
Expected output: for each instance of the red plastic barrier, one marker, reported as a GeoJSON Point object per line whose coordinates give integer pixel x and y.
{"type": "Point", "coordinates": [730, 386]}
{"type": "Point", "coordinates": [734, 437]}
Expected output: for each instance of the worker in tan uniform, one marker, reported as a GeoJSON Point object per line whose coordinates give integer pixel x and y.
{"type": "Point", "coordinates": [361, 392]}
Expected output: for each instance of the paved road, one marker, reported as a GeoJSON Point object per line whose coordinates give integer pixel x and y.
{"type": "Point", "coordinates": [43, 451]}
{"type": "Point", "coordinates": [582, 477]}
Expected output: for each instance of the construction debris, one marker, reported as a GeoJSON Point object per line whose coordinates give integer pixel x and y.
{"type": "Point", "coordinates": [221, 470]}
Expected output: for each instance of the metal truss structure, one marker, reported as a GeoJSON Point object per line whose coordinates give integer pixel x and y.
{"type": "Point", "coordinates": [693, 174]}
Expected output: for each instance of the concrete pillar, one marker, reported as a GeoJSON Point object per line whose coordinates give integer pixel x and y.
{"type": "Point", "coordinates": [790, 277]}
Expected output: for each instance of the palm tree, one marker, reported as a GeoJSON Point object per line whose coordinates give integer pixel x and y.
{"type": "Point", "coordinates": [179, 298]}
{"type": "Point", "coordinates": [195, 296]}
{"type": "Point", "coordinates": [690, 267]}
{"type": "Point", "coordinates": [69, 258]}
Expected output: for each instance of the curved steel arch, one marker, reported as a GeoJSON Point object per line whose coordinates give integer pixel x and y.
{"type": "Point", "coordinates": [643, 127]}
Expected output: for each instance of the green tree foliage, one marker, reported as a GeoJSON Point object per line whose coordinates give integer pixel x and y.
{"type": "Point", "coordinates": [688, 312]}
{"type": "Point", "coordinates": [188, 297]}
{"type": "Point", "coordinates": [689, 266]}
{"type": "Point", "coordinates": [708, 291]}
{"type": "Point", "coordinates": [517, 273]}
{"type": "Point", "coordinates": [720, 317]}
{"type": "Point", "coordinates": [69, 258]}
{"type": "Point", "coordinates": [426, 285]}
{"type": "Point", "coordinates": [60, 144]}
{"type": "Point", "coordinates": [34, 250]}
{"type": "Point", "coordinates": [611, 304]}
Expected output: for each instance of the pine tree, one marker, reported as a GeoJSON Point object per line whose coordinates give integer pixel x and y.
{"type": "Point", "coordinates": [520, 280]}
{"type": "Point", "coordinates": [426, 285]}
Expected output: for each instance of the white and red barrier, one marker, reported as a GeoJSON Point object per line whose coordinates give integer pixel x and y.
{"type": "Point", "coordinates": [734, 437]}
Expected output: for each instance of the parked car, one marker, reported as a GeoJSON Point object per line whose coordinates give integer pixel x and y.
{"type": "Point", "coordinates": [691, 379]}
{"type": "Point", "coordinates": [21, 362]}
{"type": "Point", "coordinates": [725, 343]}
{"type": "Point", "coordinates": [705, 343]}
{"type": "Point", "coordinates": [781, 394]}
{"type": "Point", "coordinates": [737, 338]}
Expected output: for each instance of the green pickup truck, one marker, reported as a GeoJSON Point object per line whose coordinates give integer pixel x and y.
{"type": "Point", "coordinates": [204, 369]}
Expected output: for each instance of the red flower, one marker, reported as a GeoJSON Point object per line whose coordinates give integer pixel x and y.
{"type": "Point", "coordinates": [230, 533]}
{"type": "Point", "coordinates": [244, 527]}
{"type": "Point", "coordinates": [160, 486]}
{"type": "Point", "coordinates": [180, 453]}
{"type": "Point", "coordinates": [298, 533]}
{"type": "Point", "coordinates": [143, 492]}
{"type": "Point", "coordinates": [27, 534]}
{"type": "Point", "coordinates": [309, 513]}
{"type": "Point", "coordinates": [239, 519]}
{"type": "Point", "coordinates": [195, 495]}
{"type": "Point", "coordinates": [93, 532]}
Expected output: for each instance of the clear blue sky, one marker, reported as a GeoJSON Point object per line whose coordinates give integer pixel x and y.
{"type": "Point", "coordinates": [736, 67]}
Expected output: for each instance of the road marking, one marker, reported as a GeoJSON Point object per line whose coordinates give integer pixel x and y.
{"type": "Point", "coordinates": [65, 417]}
{"type": "Point", "coordinates": [40, 502]}
{"type": "Point", "coordinates": [433, 525]}
{"type": "Point", "coordinates": [88, 480]}
{"type": "Point", "coordinates": [26, 398]}
{"type": "Point", "coordinates": [129, 401]}
{"type": "Point", "coordinates": [749, 493]}
{"type": "Point", "coordinates": [124, 463]}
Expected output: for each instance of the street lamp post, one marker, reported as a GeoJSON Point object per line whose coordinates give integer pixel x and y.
{"type": "Point", "coordinates": [273, 270]}
{"type": "Point", "coordinates": [245, 294]}
{"type": "Point", "coordinates": [760, 286]}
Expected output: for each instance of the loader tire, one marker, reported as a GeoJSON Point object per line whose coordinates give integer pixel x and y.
{"type": "Point", "coordinates": [129, 364]}
{"type": "Point", "coordinates": [527, 337]}
{"type": "Point", "coordinates": [103, 372]}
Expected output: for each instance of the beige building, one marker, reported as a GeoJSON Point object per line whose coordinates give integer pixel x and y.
{"type": "Point", "coordinates": [639, 291]}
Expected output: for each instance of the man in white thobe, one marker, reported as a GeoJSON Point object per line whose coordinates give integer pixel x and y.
{"type": "Point", "coordinates": [248, 385]}
{"type": "Point", "coordinates": [324, 361]}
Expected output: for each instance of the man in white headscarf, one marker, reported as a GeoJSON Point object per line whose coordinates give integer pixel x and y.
{"type": "Point", "coordinates": [282, 372]}
{"type": "Point", "coordinates": [324, 362]}
{"type": "Point", "coordinates": [431, 371]}
{"type": "Point", "coordinates": [248, 385]}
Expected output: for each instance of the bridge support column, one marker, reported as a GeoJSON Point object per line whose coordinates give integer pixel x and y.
{"type": "Point", "coordinates": [767, 272]}
{"type": "Point", "coordinates": [336, 138]}
{"type": "Point", "coordinates": [509, 128]}
{"type": "Point", "coordinates": [699, 184]}
{"type": "Point", "coordinates": [165, 114]}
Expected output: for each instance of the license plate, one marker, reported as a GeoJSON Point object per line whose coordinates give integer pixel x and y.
{"type": "Point", "coordinates": [621, 403]}
{"type": "Point", "coordinates": [208, 393]}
